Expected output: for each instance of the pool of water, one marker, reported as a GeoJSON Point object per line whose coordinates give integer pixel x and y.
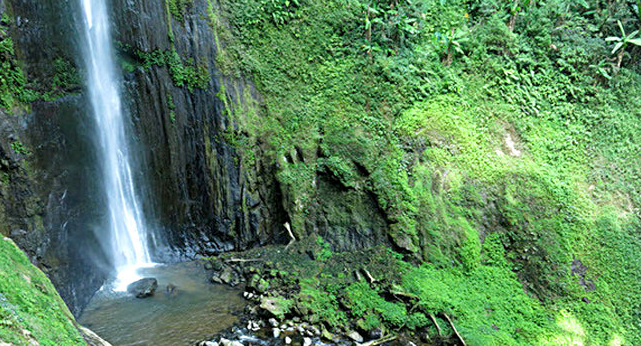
{"type": "Point", "coordinates": [195, 311]}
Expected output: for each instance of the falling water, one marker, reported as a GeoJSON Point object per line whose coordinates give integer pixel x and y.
{"type": "Point", "coordinates": [126, 223]}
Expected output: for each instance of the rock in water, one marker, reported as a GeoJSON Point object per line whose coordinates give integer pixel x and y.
{"type": "Point", "coordinates": [143, 288]}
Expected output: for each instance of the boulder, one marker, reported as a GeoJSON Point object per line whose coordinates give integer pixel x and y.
{"type": "Point", "coordinates": [227, 275]}
{"type": "Point", "coordinates": [274, 306]}
{"type": "Point", "coordinates": [90, 337]}
{"type": "Point", "coordinates": [355, 336]}
{"type": "Point", "coordinates": [143, 288]}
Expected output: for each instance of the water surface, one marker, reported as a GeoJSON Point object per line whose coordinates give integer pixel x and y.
{"type": "Point", "coordinates": [195, 311]}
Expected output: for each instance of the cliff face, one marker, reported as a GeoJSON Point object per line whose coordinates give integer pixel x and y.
{"type": "Point", "coordinates": [204, 198]}
{"type": "Point", "coordinates": [203, 191]}
{"type": "Point", "coordinates": [48, 203]}
{"type": "Point", "coordinates": [200, 198]}
{"type": "Point", "coordinates": [212, 191]}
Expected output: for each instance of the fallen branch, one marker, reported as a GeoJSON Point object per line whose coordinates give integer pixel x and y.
{"type": "Point", "coordinates": [454, 329]}
{"type": "Point", "coordinates": [404, 295]}
{"type": "Point", "coordinates": [370, 278]}
{"type": "Point", "coordinates": [382, 340]}
{"type": "Point", "coordinates": [291, 235]}
{"type": "Point", "coordinates": [244, 260]}
{"type": "Point", "coordinates": [438, 328]}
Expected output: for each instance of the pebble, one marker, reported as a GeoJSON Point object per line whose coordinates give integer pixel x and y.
{"type": "Point", "coordinates": [246, 294]}
{"type": "Point", "coordinates": [288, 340]}
{"type": "Point", "coordinates": [209, 343]}
{"type": "Point", "coordinates": [236, 343]}
{"type": "Point", "coordinates": [276, 332]}
{"type": "Point", "coordinates": [272, 322]}
{"type": "Point", "coordinates": [225, 342]}
{"type": "Point", "coordinates": [307, 342]}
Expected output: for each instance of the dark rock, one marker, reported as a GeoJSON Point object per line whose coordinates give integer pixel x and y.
{"type": "Point", "coordinates": [51, 200]}
{"type": "Point", "coordinates": [171, 289]}
{"type": "Point", "coordinates": [143, 288]}
{"type": "Point", "coordinates": [216, 265]}
{"type": "Point", "coordinates": [375, 333]}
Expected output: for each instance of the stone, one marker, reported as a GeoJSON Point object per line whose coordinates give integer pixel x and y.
{"type": "Point", "coordinates": [225, 342]}
{"type": "Point", "coordinates": [355, 336]}
{"type": "Point", "coordinates": [209, 343]}
{"type": "Point", "coordinates": [236, 343]}
{"type": "Point", "coordinates": [91, 338]}
{"type": "Point", "coordinates": [273, 306]}
{"type": "Point", "coordinates": [288, 340]}
{"type": "Point", "coordinates": [275, 332]}
{"type": "Point", "coordinates": [272, 322]}
{"type": "Point", "coordinates": [143, 288]}
{"type": "Point", "coordinates": [216, 265]}
{"type": "Point", "coordinates": [376, 333]}
{"type": "Point", "coordinates": [307, 342]}
{"type": "Point", "coordinates": [227, 275]}
{"type": "Point", "coordinates": [216, 279]}
{"type": "Point", "coordinates": [171, 289]}
{"type": "Point", "coordinates": [208, 266]}
{"type": "Point", "coordinates": [314, 330]}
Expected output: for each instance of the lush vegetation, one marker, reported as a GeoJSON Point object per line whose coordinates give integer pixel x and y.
{"type": "Point", "coordinates": [498, 137]}
{"type": "Point", "coordinates": [30, 309]}
{"type": "Point", "coordinates": [15, 89]}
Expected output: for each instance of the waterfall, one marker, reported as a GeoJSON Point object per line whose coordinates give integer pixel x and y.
{"type": "Point", "coordinates": [128, 235]}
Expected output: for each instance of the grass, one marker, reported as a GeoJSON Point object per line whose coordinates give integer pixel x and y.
{"type": "Point", "coordinates": [30, 308]}
{"type": "Point", "coordinates": [517, 145]}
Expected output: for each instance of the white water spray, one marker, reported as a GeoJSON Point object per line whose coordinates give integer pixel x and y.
{"type": "Point", "coordinates": [126, 222]}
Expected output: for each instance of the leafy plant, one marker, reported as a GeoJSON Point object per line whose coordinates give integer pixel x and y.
{"type": "Point", "coordinates": [19, 148]}
{"type": "Point", "coordinates": [623, 41]}
{"type": "Point", "coordinates": [451, 43]}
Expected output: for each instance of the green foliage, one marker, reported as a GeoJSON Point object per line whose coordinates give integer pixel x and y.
{"type": "Point", "coordinates": [364, 301]}
{"type": "Point", "coordinates": [485, 314]}
{"type": "Point", "coordinates": [325, 251]}
{"type": "Point", "coordinates": [28, 301]}
{"type": "Point", "coordinates": [179, 8]}
{"type": "Point", "coordinates": [19, 148]}
{"type": "Point", "coordinates": [496, 137]}
{"type": "Point", "coordinates": [322, 304]}
{"type": "Point", "coordinates": [172, 107]}
{"type": "Point", "coordinates": [13, 82]}
{"type": "Point", "coordinates": [184, 72]}
{"type": "Point", "coordinates": [621, 42]}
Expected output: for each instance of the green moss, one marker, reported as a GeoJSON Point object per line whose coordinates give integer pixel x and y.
{"type": "Point", "coordinates": [13, 81]}
{"type": "Point", "coordinates": [179, 8]}
{"type": "Point", "coordinates": [29, 302]}
{"type": "Point", "coordinates": [19, 148]}
{"type": "Point", "coordinates": [505, 155]}
{"type": "Point", "coordinates": [184, 72]}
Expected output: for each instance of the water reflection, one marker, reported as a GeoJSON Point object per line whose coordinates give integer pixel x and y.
{"type": "Point", "coordinates": [194, 311]}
